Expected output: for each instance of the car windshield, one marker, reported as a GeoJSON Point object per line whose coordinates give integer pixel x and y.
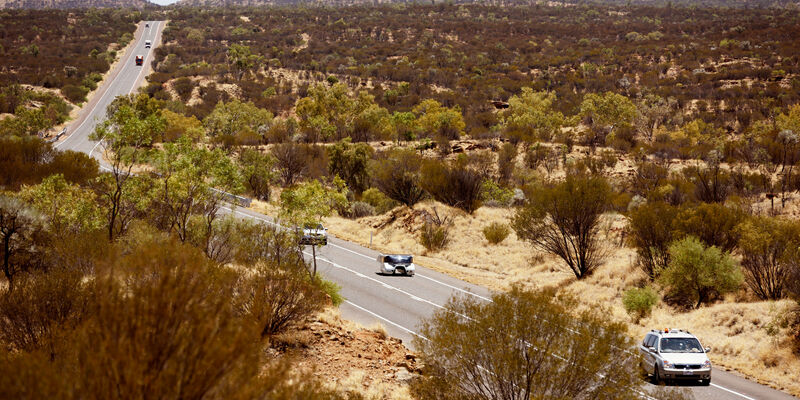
{"type": "Point", "coordinates": [680, 345]}
{"type": "Point", "coordinates": [395, 259]}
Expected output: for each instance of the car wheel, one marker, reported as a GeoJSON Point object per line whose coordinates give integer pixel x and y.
{"type": "Point", "coordinates": [411, 273]}
{"type": "Point", "coordinates": [705, 382]}
{"type": "Point", "coordinates": [656, 375]}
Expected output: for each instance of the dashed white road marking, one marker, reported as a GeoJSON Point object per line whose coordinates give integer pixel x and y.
{"type": "Point", "coordinates": [385, 319]}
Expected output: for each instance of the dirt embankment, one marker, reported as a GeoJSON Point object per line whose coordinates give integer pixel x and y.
{"type": "Point", "coordinates": [351, 358]}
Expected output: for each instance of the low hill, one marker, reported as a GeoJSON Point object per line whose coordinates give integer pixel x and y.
{"type": "Point", "coordinates": [38, 4]}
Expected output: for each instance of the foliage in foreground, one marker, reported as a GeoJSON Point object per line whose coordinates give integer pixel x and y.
{"type": "Point", "coordinates": [524, 344]}
{"type": "Point", "coordinates": [157, 319]}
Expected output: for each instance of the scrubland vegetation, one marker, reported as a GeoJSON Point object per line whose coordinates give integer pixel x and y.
{"type": "Point", "coordinates": [52, 59]}
{"type": "Point", "coordinates": [679, 125]}
{"type": "Point", "coordinates": [646, 154]}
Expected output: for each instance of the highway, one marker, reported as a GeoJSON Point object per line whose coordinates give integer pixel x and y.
{"type": "Point", "coordinates": [398, 303]}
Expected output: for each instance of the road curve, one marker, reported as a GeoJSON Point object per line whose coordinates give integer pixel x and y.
{"type": "Point", "coordinates": [398, 303]}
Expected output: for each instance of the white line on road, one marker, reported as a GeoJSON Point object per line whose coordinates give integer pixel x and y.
{"type": "Point", "coordinates": [144, 66]}
{"type": "Point", "coordinates": [144, 62]}
{"type": "Point", "coordinates": [731, 391]}
{"type": "Point", "coordinates": [421, 276]}
{"type": "Point", "coordinates": [105, 89]}
{"type": "Point", "coordinates": [384, 319]}
{"type": "Point", "coordinates": [384, 284]}
{"type": "Point", "coordinates": [370, 258]}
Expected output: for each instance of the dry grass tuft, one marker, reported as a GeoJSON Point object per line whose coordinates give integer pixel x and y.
{"type": "Point", "coordinates": [359, 382]}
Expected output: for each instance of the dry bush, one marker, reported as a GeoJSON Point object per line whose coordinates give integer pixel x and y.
{"type": "Point", "coordinates": [564, 219]}
{"type": "Point", "coordinates": [767, 246]}
{"type": "Point", "coordinates": [379, 201]}
{"type": "Point", "coordinates": [435, 233]}
{"type": "Point", "coordinates": [650, 227]}
{"type": "Point", "coordinates": [159, 319]}
{"type": "Point", "coordinates": [22, 236]}
{"type": "Point", "coordinates": [496, 232]}
{"type": "Point", "coordinates": [506, 161]}
{"type": "Point", "coordinates": [639, 302]}
{"type": "Point", "coordinates": [713, 223]}
{"type": "Point", "coordinates": [274, 298]}
{"type": "Point", "coordinates": [468, 357]}
{"type": "Point", "coordinates": [290, 162]}
{"type": "Point", "coordinates": [41, 305]}
{"type": "Point", "coordinates": [397, 175]}
{"type": "Point", "coordinates": [697, 274]}
{"type": "Point", "coordinates": [454, 184]}
{"type": "Point", "coordinates": [27, 160]}
{"type": "Point", "coordinates": [359, 209]}
{"type": "Point", "coordinates": [260, 243]}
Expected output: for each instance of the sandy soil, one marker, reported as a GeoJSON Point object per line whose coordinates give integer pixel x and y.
{"type": "Point", "coordinates": [352, 358]}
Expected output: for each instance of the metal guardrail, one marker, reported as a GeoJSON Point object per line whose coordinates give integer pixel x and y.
{"type": "Point", "coordinates": [57, 136]}
{"type": "Point", "coordinates": [230, 197]}
{"type": "Point", "coordinates": [235, 199]}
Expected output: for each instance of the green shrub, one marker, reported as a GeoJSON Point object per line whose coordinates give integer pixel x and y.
{"type": "Point", "coordinates": [696, 274]}
{"type": "Point", "coordinates": [639, 302]}
{"type": "Point", "coordinates": [494, 195]}
{"type": "Point", "coordinates": [184, 87]}
{"type": "Point", "coordinates": [496, 232]}
{"type": "Point", "coordinates": [75, 94]}
{"type": "Point", "coordinates": [381, 202]}
{"type": "Point", "coordinates": [331, 289]}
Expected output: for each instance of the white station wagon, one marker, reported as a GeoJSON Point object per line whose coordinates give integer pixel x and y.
{"type": "Point", "coordinates": [674, 354]}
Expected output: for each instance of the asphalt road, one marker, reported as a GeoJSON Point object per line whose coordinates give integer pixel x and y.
{"type": "Point", "coordinates": [123, 79]}
{"type": "Point", "coordinates": [399, 303]}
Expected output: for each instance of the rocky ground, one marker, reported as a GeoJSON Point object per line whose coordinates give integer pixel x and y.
{"type": "Point", "coordinates": [351, 358]}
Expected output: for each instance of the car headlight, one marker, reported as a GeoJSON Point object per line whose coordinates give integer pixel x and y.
{"type": "Point", "coordinates": [707, 364]}
{"type": "Point", "coordinates": [668, 364]}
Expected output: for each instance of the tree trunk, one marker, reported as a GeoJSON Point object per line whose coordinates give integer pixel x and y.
{"type": "Point", "coordinates": [7, 260]}
{"type": "Point", "coordinates": [314, 256]}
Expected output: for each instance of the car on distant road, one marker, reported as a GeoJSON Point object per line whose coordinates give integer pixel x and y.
{"type": "Point", "coordinates": [147, 44]}
{"type": "Point", "coordinates": [139, 60]}
{"type": "Point", "coordinates": [673, 354]}
{"type": "Point", "coordinates": [146, 25]}
{"type": "Point", "coordinates": [314, 234]}
{"type": "Point", "coordinates": [396, 263]}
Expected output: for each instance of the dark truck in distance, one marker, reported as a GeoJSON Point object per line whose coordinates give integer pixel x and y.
{"type": "Point", "coordinates": [139, 60]}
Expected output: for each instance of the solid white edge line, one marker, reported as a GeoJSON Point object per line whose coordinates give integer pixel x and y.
{"type": "Point", "coordinates": [733, 392]}
{"type": "Point", "coordinates": [384, 319]}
